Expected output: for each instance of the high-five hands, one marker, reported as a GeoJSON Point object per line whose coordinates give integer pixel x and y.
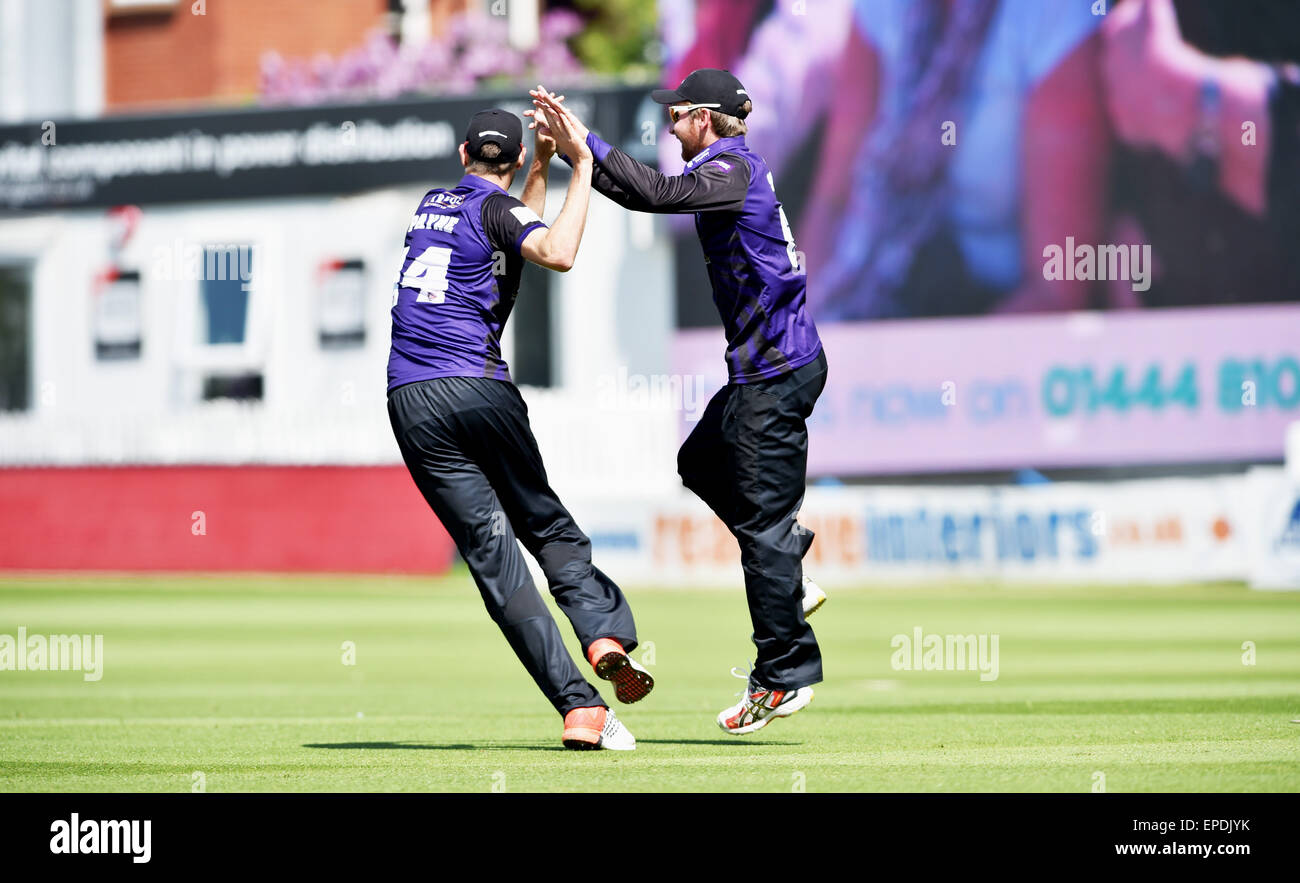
{"type": "Point", "coordinates": [544, 147]}
{"type": "Point", "coordinates": [550, 114]}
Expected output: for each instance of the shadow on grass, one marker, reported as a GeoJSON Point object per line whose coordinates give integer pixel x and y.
{"type": "Point", "coordinates": [735, 740]}
{"type": "Point", "coordinates": [424, 746]}
{"type": "Point", "coordinates": [526, 746]}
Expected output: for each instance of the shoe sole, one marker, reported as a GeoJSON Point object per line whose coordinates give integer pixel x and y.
{"type": "Point", "coordinates": [630, 683]}
{"type": "Point", "coordinates": [581, 739]}
{"type": "Point", "coordinates": [781, 711]}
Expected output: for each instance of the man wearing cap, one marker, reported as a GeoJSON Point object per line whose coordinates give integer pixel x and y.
{"type": "Point", "coordinates": [748, 455]}
{"type": "Point", "coordinates": [463, 430]}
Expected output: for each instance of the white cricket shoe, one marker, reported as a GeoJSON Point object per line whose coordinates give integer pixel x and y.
{"type": "Point", "coordinates": [758, 705]}
{"type": "Point", "coordinates": [813, 597]}
{"type": "Point", "coordinates": [596, 727]}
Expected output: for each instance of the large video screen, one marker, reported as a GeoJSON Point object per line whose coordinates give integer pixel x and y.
{"type": "Point", "coordinates": [1036, 232]}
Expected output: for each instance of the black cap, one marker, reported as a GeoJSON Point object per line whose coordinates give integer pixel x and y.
{"type": "Point", "coordinates": [498, 127]}
{"type": "Point", "coordinates": [708, 86]}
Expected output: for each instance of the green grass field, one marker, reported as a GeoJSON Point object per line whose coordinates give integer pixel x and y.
{"type": "Point", "coordinates": [242, 680]}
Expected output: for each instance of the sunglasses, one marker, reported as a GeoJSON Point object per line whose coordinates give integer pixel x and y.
{"type": "Point", "coordinates": [675, 113]}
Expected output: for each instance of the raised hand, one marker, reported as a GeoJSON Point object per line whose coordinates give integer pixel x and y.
{"type": "Point", "coordinates": [569, 132]}
{"type": "Point", "coordinates": [544, 141]}
{"type": "Point", "coordinates": [544, 146]}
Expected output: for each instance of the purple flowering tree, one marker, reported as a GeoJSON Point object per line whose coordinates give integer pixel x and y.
{"type": "Point", "coordinates": [475, 52]}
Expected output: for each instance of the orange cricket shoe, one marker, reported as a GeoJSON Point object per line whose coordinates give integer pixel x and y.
{"type": "Point", "coordinates": [632, 683]}
{"type": "Point", "coordinates": [586, 729]}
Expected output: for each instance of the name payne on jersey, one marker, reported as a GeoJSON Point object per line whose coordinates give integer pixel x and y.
{"type": "Point", "coordinates": [102, 836]}
{"type": "Point", "coordinates": [441, 223]}
{"type": "Point", "coordinates": [53, 653]}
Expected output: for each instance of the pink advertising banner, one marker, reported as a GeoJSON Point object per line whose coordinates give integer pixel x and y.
{"type": "Point", "coordinates": [1079, 389]}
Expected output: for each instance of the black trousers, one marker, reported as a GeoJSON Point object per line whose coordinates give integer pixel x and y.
{"type": "Point", "coordinates": [748, 459]}
{"type": "Point", "coordinates": [468, 445]}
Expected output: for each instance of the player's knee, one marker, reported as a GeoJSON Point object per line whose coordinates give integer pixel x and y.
{"type": "Point", "coordinates": [772, 538]}
{"type": "Point", "coordinates": [567, 562]}
{"type": "Point", "coordinates": [526, 603]}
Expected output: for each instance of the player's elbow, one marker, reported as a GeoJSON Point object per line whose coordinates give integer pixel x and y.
{"type": "Point", "coordinates": [559, 261]}
{"type": "Point", "coordinates": [550, 258]}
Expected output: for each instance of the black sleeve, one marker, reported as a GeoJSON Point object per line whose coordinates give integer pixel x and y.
{"type": "Point", "coordinates": [720, 184]}
{"type": "Point", "coordinates": [507, 222]}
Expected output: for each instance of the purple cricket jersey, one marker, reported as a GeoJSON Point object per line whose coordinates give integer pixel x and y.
{"type": "Point", "coordinates": [458, 283]}
{"type": "Point", "coordinates": [758, 284]}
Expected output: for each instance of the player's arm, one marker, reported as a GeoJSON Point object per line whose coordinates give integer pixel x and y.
{"type": "Point", "coordinates": [534, 195]}
{"type": "Point", "coordinates": [714, 186]}
{"type": "Point", "coordinates": [602, 183]}
{"type": "Point", "coordinates": [718, 185]}
{"type": "Point", "coordinates": [556, 248]}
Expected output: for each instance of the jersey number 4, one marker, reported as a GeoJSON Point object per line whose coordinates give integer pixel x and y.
{"type": "Point", "coordinates": [428, 274]}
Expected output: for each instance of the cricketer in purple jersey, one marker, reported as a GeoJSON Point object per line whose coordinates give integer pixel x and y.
{"type": "Point", "coordinates": [458, 283]}
{"type": "Point", "coordinates": [758, 285]}
{"type": "Point", "coordinates": [462, 426]}
{"type": "Point", "coordinates": [747, 456]}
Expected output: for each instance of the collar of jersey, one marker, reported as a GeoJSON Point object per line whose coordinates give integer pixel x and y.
{"type": "Point", "coordinates": [717, 148]}
{"type": "Point", "coordinates": [477, 183]}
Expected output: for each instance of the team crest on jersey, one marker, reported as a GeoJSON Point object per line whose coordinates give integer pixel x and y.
{"type": "Point", "coordinates": [443, 199]}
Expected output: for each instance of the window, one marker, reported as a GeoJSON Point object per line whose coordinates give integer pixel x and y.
{"type": "Point", "coordinates": [224, 296]}
{"type": "Point", "coordinates": [342, 292]}
{"type": "Point", "coordinates": [227, 274]}
{"type": "Point", "coordinates": [15, 338]}
{"type": "Point", "coordinates": [117, 315]}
